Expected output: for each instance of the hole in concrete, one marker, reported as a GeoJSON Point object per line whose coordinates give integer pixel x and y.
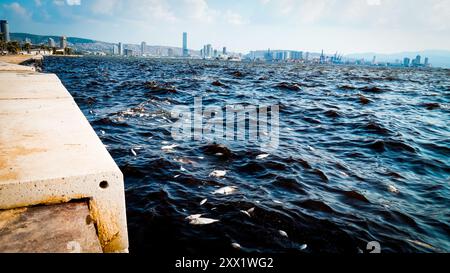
{"type": "Point", "coordinates": [103, 184]}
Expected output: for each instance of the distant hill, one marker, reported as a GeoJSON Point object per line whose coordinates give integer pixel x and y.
{"type": "Point", "coordinates": [43, 39]}
{"type": "Point", "coordinates": [83, 44]}
{"type": "Point", "coordinates": [438, 58]}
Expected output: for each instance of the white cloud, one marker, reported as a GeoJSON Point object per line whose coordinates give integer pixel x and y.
{"type": "Point", "coordinates": [197, 10]}
{"type": "Point", "coordinates": [135, 10]}
{"type": "Point", "coordinates": [38, 3]}
{"type": "Point", "coordinates": [234, 18]}
{"type": "Point", "coordinates": [373, 2]}
{"type": "Point", "coordinates": [58, 2]}
{"type": "Point", "coordinates": [18, 10]}
{"type": "Point", "coordinates": [73, 2]}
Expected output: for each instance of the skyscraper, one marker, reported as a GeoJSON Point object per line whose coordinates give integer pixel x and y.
{"type": "Point", "coordinates": [185, 47]}
{"type": "Point", "coordinates": [426, 62]}
{"type": "Point", "coordinates": [4, 29]}
{"type": "Point", "coordinates": [406, 62]}
{"type": "Point", "coordinates": [120, 49]}
{"type": "Point", "coordinates": [51, 42]}
{"type": "Point", "coordinates": [417, 60]}
{"type": "Point", "coordinates": [143, 48]}
{"type": "Point", "coordinates": [115, 50]}
{"type": "Point", "coordinates": [224, 51]}
{"type": "Point", "coordinates": [209, 51]}
{"type": "Point", "coordinates": [170, 52]}
{"type": "Point", "coordinates": [63, 42]}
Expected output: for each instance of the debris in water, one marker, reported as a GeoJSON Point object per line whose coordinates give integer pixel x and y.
{"type": "Point", "coordinates": [236, 245]}
{"type": "Point", "coordinates": [193, 216]}
{"type": "Point", "coordinates": [262, 156]}
{"type": "Point", "coordinates": [133, 152]}
{"type": "Point", "coordinates": [217, 173]}
{"type": "Point", "coordinates": [176, 176]}
{"type": "Point", "coordinates": [246, 213]}
{"type": "Point", "coordinates": [421, 244]}
{"type": "Point", "coordinates": [169, 148]}
{"type": "Point", "coordinates": [225, 190]}
{"type": "Point", "coordinates": [303, 247]}
{"type": "Point", "coordinates": [283, 233]}
{"type": "Point", "coordinates": [202, 221]}
{"type": "Point", "coordinates": [203, 202]}
{"type": "Point", "coordinates": [393, 189]}
{"type": "Point", "coordinates": [184, 160]}
{"type": "Point", "coordinates": [182, 169]}
{"type": "Point", "coordinates": [277, 202]}
{"type": "Point", "coordinates": [102, 132]}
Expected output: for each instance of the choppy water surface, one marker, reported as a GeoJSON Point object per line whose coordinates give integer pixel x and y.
{"type": "Point", "coordinates": [349, 138]}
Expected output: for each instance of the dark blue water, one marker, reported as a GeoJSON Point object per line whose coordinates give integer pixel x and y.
{"type": "Point", "coordinates": [350, 137]}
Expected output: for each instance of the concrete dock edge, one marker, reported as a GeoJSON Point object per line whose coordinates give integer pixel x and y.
{"type": "Point", "coordinates": [50, 154]}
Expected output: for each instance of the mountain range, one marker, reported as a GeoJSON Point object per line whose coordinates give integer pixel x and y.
{"type": "Point", "coordinates": [83, 44]}
{"type": "Point", "coordinates": [438, 58]}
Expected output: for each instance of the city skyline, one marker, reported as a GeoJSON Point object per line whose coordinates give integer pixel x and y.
{"type": "Point", "coordinates": [349, 26]}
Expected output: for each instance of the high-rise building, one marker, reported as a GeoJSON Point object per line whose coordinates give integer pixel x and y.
{"type": "Point", "coordinates": [224, 50]}
{"type": "Point", "coordinates": [128, 52]}
{"type": "Point", "coordinates": [208, 51]}
{"type": "Point", "coordinates": [296, 55]}
{"type": "Point", "coordinates": [51, 42]}
{"type": "Point", "coordinates": [170, 52]}
{"type": "Point", "coordinates": [115, 50]}
{"type": "Point", "coordinates": [185, 47]}
{"type": "Point", "coordinates": [406, 62]}
{"type": "Point", "coordinates": [143, 48]}
{"type": "Point", "coordinates": [4, 29]}
{"type": "Point", "coordinates": [426, 63]}
{"type": "Point", "coordinates": [120, 49]}
{"type": "Point", "coordinates": [204, 51]}
{"type": "Point", "coordinates": [417, 60]}
{"type": "Point", "coordinates": [63, 42]}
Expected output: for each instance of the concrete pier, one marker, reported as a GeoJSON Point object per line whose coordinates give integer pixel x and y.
{"type": "Point", "coordinates": [49, 154]}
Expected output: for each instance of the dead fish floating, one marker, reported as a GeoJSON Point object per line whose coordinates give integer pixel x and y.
{"type": "Point", "coordinates": [218, 173]}
{"type": "Point", "coordinates": [283, 233]}
{"type": "Point", "coordinates": [236, 245]}
{"type": "Point", "coordinates": [133, 152]}
{"type": "Point", "coordinates": [226, 190]}
{"type": "Point", "coordinates": [303, 247]}
{"type": "Point", "coordinates": [203, 202]}
{"type": "Point", "coordinates": [197, 219]}
{"type": "Point", "coordinates": [393, 189]}
{"type": "Point", "coordinates": [248, 212]}
{"type": "Point", "coordinates": [169, 148]}
{"type": "Point", "coordinates": [262, 156]}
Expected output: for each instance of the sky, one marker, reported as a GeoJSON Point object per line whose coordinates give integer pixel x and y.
{"type": "Point", "coordinates": [345, 26]}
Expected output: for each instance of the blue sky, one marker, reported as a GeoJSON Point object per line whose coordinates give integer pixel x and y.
{"type": "Point", "coordinates": [347, 26]}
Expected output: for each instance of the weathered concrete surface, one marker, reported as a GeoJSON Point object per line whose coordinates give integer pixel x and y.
{"type": "Point", "coordinates": [19, 59]}
{"type": "Point", "coordinates": [50, 154]}
{"type": "Point", "coordinates": [45, 229]}
{"type": "Point", "coordinates": [14, 67]}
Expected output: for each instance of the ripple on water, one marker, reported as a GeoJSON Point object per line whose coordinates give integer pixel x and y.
{"type": "Point", "coordinates": [371, 128]}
